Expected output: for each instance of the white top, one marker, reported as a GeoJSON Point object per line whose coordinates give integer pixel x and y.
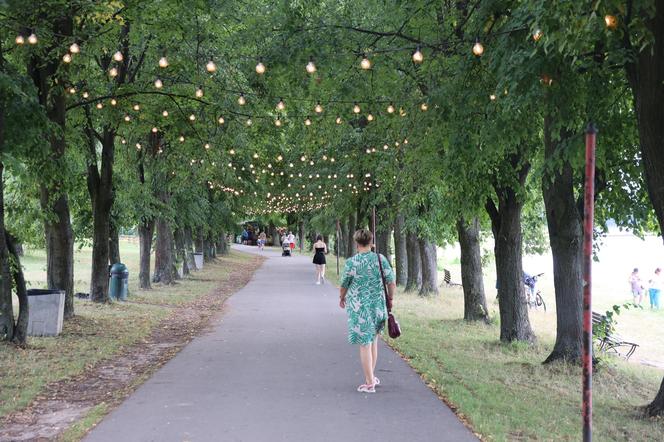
{"type": "Point", "coordinates": [655, 281]}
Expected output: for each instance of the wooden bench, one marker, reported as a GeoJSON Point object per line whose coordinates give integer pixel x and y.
{"type": "Point", "coordinates": [608, 339]}
{"type": "Point", "coordinates": [447, 279]}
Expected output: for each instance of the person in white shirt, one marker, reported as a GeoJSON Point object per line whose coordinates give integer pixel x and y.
{"type": "Point", "coordinates": [655, 288]}
{"type": "Point", "coordinates": [291, 240]}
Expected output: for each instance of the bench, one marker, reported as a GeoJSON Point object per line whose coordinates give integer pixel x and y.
{"type": "Point", "coordinates": [608, 339]}
{"type": "Point", "coordinates": [447, 279]}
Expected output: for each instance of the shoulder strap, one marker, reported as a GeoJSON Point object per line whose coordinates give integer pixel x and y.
{"type": "Point", "coordinates": [382, 277]}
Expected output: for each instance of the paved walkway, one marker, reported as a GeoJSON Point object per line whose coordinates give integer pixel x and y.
{"type": "Point", "coordinates": [277, 368]}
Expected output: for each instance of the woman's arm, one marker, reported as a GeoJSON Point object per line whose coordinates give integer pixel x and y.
{"type": "Point", "coordinates": [342, 297]}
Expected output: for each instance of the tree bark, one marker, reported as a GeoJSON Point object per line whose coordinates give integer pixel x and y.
{"type": "Point", "coordinates": [352, 226]}
{"type": "Point", "coordinates": [114, 244]}
{"type": "Point", "coordinates": [189, 246]}
{"type": "Point", "coordinates": [222, 243]}
{"type": "Point", "coordinates": [163, 261]}
{"type": "Point", "coordinates": [472, 280]}
{"type": "Point", "coordinates": [429, 268]}
{"type": "Point", "coordinates": [20, 336]}
{"type": "Point", "coordinates": [6, 309]}
{"type": "Point", "coordinates": [383, 243]}
{"type": "Point", "coordinates": [566, 239]}
{"type": "Point", "coordinates": [401, 256]}
{"type": "Point", "coordinates": [301, 233]}
{"type": "Point", "coordinates": [181, 250]}
{"type": "Point", "coordinates": [506, 226]}
{"type": "Point", "coordinates": [100, 188]}
{"type": "Point", "coordinates": [414, 263]}
{"type": "Point", "coordinates": [145, 233]}
{"type": "Point", "coordinates": [646, 78]}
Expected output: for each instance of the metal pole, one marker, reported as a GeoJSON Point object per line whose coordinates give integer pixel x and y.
{"type": "Point", "coordinates": [588, 218]}
{"type": "Point", "coordinates": [338, 247]}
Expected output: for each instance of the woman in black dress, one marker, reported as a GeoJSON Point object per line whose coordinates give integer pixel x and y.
{"type": "Point", "coordinates": [319, 259]}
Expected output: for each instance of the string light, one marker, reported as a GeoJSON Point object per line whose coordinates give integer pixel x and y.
{"type": "Point", "coordinates": [424, 107]}
{"type": "Point", "coordinates": [74, 48]}
{"type": "Point", "coordinates": [137, 107]}
{"type": "Point", "coordinates": [260, 67]}
{"type": "Point", "coordinates": [32, 39]}
{"type": "Point", "coordinates": [492, 97]}
{"type": "Point", "coordinates": [199, 92]}
{"type": "Point", "coordinates": [210, 66]}
{"type": "Point", "coordinates": [114, 101]}
{"type": "Point", "coordinates": [478, 48]}
{"type": "Point", "coordinates": [418, 57]}
{"type": "Point", "coordinates": [356, 108]}
{"type": "Point", "coordinates": [221, 120]}
{"type": "Point", "coordinates": [365, 63]}
{"type": "Point", "coordinates": [311, 66]}
{"type": "Point", "coordinates": [537, 34]}
{"type": "Point", "coordinates": [280, 158]}
{"type": "Point", "coordinates": [370, 117]}
{"type": "Point", "coordinates": [241, 100]}
{"type": "Point", "coordinates": [277, 122]}
{"type": "Point", "coordinates": [19, 39]}
{"type": "Point", "coordinates": [138, 146]}
{"type": "Point", "coordinates": [127, 118]}
{"type": "Point", "coordinates": [163, 62]}
{"type": "Point", "coordinates": [181, 138]}
{"type": "Point", "coordinates": [118, 56]}
{"type": "Point", "coordinates": [113, 72]}
{"type": "Point", "coordinates": [232, 151]}
{"type": "Point", "coordinates": [155, 130]}
{"type": "Point", "coordinates": [66, 58]}
{"type": "Point", "coordinates": [86, 94]}
{"type": "Point", "coordinates": [318, 109]}
{"type": "Point", "coordinates": [307, 122]}
{"type": "Point", "coordinates": [281, 105]}
{"type": "Point", "coordinates": [72, 90]}
{"type": "Point", "coordinates": [249, 122]}
{"type": "Point", "coordinates": [207, 146]}
{"type": "Point", "coordinates": [339, 120]}
{"type": "Point", "coordinates": [192, 117]}
{"type": "Point", "coordinates": [390, 108]}
{"type": "Point", "coordinates": [611, 21]}
{"type": "Point", "coordinates": [100, 105]}
{"type": "Point", "coordinates": [165, 114]}
{"type": "Point", "coordinates": [158, 83]}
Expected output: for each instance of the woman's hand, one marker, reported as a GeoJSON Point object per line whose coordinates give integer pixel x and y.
{"type": "Point", "coordinates": [342, 302]}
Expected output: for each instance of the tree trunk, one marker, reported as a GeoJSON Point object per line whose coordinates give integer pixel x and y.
{"type": "Point", "coordinates": [506, 226]}
{"type": "Point", "coordinates": [163, 260]}
{"type": "Point", "coordinates": [301, 233]}
{"type": "Point", "coordinates": [100, 187]}
{"type": "Point", "coordinates": [383, 243]}
{"type": "Point", "coordinates": [181, 250]}
{"type": "Point", "coordinates": [429, 268]}
{"type": "Point", "coordinates": [401, 265]}
{"type": "Point", "coordinates": [189, 246]}
{"type": "Point", "coordinates": [6, 309]}
{"type": "Point", "coordinates": [114, 244]}
{"type": "Point", "coordinates": [20, 336]}
{"type": "Point", "coordinates": [145, 233]}
{"type": "Point", "coordinates": [472, 280]}
{"type": "Point", "coordinates": [351, 247]}
{"type": "Point", "coordinates": [566, 240]}
{"type": "Point", "coordinates": [646, 77]}
{"type": "Point", "coordinates": [414, 263]}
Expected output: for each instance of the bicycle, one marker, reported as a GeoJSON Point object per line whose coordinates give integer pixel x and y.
{"type": "Point", "coordinates": [534, 296]}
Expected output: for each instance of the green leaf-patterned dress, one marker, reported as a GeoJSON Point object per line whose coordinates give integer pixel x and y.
{"type": "Point", "coordinates": [365, 299]}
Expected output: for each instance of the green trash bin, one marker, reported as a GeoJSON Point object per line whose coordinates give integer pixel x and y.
{"type": "Point", "coordinates": [118, 286]}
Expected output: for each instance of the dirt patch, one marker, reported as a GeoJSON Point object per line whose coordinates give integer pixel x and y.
{"type": "Point", "coordinates": [110, 381]}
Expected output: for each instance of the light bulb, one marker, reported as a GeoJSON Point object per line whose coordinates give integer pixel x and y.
{"type": "Point", "coordinates": [72, 90]}
{"type": "Point", "coordinates": [478, 48]}
{"type": "Point", "coordinates": [192, 117]}
{"type": "Point", "coordinates": [74, 48]}
{"type": "Point", "coordinates": [277, 122]}
{"type": "Point", "coordinates": [163, 62]}
{"type": "Point", "coordinates": [86, 94]}
{"type": "Point", "coordinates": [356, 109]}
{"type": "Point", "coordinates": [424, 107]}
{"type": "Point", "coordinates": [113, 72]}
{"type": "Point", "coordinates": [390, 109]}
{"type": "Point", "coordinates": [339, 120]}
{"type": "Point", "coordinates": [611, 21]}
{"type": "Point", "coordinates": [137, 107]}
{"type": "Point", "coordinates": [164, 114]}
{"type": "Point", "coordinates": [123, 141]}
{"type": "Point", "coordinates": [365, 63]}
{"type": "Point", "coordinates": [280, 158]}
{"type": "Point", "coordinates": [199, 92]}
{"type": "Point", "coordinates": [232, 151]}
{"type": "Point", "coordinates": [255, 155]}
{"type": "Point", "coordinates": [138, 146]}
{"type": "Point", "coordinates": [181, 138]}
{"type": "Point", "coordinates": [221, 120]}
{"type": "Point", "coordinates": [281, 105]}
{"type": "Point", "coordinates": [127, 118]}
{"type": "Point", "coordinates": [32, 39]}
{"type": "Point", "coordinates": [210, 66]}
{"type": "Point", "coordinates": [260, 67]}
{"type": "Point", "coordinates": [418, 57]}
{"type": "Point", "coordinates": [370, 117]}
{"type": "Point", "coordinates": [318, 109]}
{"type": "Point", "coordinates": [66, 58]}
{"type": "Point", "coordinates": [311, 66]}
{"type": "Point", "coordinates": [158, 84]}
{"type": "Point", "coordinates": [100, 105]}
{"type": "Point", "coordinates": [118, 56]}
{"type": "Point", "coordinates": [249, 122]}
{"type": "Point", "coordinates": [241, 100]}
{"type": "Point", "coordinates": [537, 34]}
{"type": "Point", "coordinates": [114, 101]}
{"type": "Point", "coordinates": [207, 146]}
{"type": "Point", "coordinates": [492, 97]}
{"type": "Point", "coordinates": [307, 122]}
{"type": "Point", "coordinates": [19, 39]}
{"type": "Point", "coordinates": [155, 130]}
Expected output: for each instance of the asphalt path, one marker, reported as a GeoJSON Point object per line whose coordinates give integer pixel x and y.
{"type": "Point", "coordinates": [277, 367]}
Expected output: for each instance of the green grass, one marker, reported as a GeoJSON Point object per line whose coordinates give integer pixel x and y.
{"type": "Point", "coordinates": [505, 391]}
{"type": "Point", "coordinates": [97, 332]}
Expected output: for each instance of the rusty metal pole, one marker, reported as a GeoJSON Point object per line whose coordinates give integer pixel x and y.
{"type": "Point", "coordinates": [588, 221]}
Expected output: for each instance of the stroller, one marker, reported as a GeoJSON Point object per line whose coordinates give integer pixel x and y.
{"type": "Point", "coordinates": [286, 250]}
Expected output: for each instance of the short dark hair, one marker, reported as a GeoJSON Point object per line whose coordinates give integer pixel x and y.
{"type": "Point", "coordinates": [363, 237]}
{"type": "Point", "coordinates": [319, 238]}
{"type": "Point", "coordinates": [635, 270]}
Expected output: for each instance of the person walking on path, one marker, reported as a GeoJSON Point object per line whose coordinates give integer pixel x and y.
{"type": "Point", "coordinates": [636, 286]}
{"type": "Point", "coordinates": [262, 238]}
{"type": "Point", "coordinates": [319, 259]}
{"type": "Point", "coordinates": [291, 240]}
{"type": "Point", "coordinates": [655, 288]}
{"type": "Point", "coordinates": [361, 294]}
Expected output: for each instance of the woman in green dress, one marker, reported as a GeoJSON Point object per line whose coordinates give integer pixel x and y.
{"type": "Point", "coordinates": [362, 295]}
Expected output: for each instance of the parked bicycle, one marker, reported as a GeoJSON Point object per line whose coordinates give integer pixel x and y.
{"type": "Point", "coordinates": [533, 294]}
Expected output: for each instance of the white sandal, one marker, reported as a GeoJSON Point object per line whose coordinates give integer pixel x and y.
{"type": "Point", "coordinates": [376, 382]}
{"type": "Point", "coordinates": [366, 388]}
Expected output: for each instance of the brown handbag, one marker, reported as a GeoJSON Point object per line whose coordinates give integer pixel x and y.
{"type": "Point", "coordinates": [393, 328]}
